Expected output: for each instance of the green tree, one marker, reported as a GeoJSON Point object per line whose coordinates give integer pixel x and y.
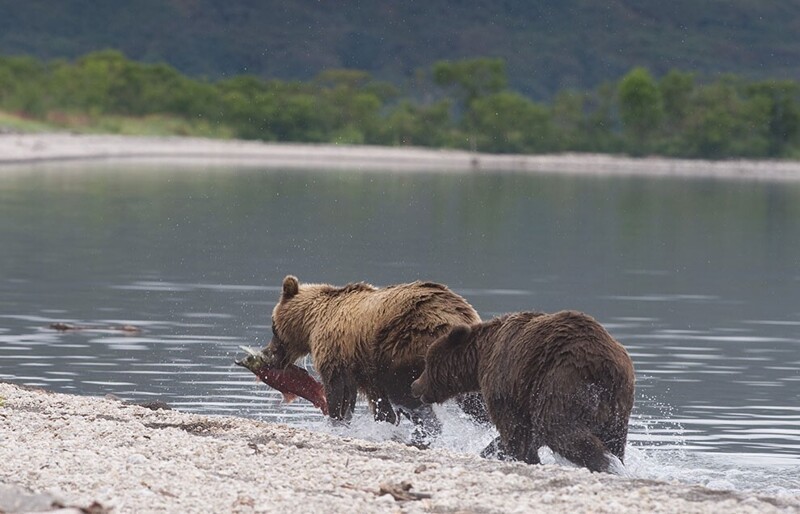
{"type": "Point", "coordinates": [641, 108]}
{"type": "Point", "coordinates": [780, 101]}
{"type": "Point", "coordinates": [569, 119]}
{"type": "Point", "coordinates": [602, 121]}
{"type": "Point", "coordinates": [423, 125]}
{"type": "Point", "coordinates": [248, 104]}
{"type": "Point", "coordinates": [676, 89]}
{"type": "Point", "coordinates": [351, 104]}
{"type": "Point", "coordinates": [474, 78]}
{"type": "Point", "coordinates": [509, 122]}
{"type": "Point", "coordinates": [724, 123]}
{"type": "Point", "coordinates": [97, 82]}
{"type": "Point", "coordinates": [24, 85]}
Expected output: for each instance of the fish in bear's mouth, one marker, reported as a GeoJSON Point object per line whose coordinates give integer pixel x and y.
{"type": "Point", "coordinates": [292, 381]}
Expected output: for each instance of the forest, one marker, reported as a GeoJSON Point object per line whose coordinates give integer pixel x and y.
{"type": "Point", "coordinates": [547, 45]}
{"type": "Point", "coordinates": [465, 104]}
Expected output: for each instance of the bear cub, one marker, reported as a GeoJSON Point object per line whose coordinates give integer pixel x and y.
{"type": "Point", "coordinates": [557, 379]}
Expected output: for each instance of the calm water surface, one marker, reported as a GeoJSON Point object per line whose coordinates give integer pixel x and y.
{"type": "Point", "coordinates": [699, 279]}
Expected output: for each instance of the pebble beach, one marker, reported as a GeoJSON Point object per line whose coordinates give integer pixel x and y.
{"type": "Point", "coordinates": [65, 148]}
{"type": "Point", "coordinates": [82, 454]}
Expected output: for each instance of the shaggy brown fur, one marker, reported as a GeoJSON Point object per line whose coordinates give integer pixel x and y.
{"type": "Point", "coordinates": [364, 338]}
{"type": "Point", "coordinates": [556, 379]}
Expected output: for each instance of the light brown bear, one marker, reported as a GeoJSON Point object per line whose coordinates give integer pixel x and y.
{"type": "Point", "coordinates": [558, 379]}
{"type": "Point", "coordinates": [367, 339]}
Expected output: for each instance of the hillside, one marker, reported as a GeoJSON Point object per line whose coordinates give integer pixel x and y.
{"type": "Point", "coordinates": [548, 45]}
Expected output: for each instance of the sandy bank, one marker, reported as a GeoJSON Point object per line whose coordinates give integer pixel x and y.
{"type": "Point", "coordinates": [28, 148]}
{"type": "Point", "coordinates": [81, 450]}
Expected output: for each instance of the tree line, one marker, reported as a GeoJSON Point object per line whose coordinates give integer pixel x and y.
{"type": "Point", "coordinates": [455, 104]}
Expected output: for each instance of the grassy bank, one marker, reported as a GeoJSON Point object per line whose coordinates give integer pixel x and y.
{"type": "Point", "coordinates": [149, 125]}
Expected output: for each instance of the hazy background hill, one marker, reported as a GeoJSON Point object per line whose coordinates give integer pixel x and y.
{"type": "Point", "coordinates": [547, 45]}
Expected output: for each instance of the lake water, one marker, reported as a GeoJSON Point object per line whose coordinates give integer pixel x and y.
{"type": "Point", "coordinates": [699, 279]}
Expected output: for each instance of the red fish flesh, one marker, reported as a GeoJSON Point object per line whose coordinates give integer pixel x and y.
{"type": "Point", "coordinates": [292, 381]}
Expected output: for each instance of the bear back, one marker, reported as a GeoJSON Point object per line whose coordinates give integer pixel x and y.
{"type": "Point", "coordinates": [556, 360]}
{"type": "Point", "coordinates": [358, 319]}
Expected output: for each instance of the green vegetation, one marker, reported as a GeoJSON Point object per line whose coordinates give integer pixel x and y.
{"type": "Point", "coordinates": [457, 104]}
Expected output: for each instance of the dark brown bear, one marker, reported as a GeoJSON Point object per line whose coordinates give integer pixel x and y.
{"type": "Point", "coordinates": [556, 379]}
{"type": "Point", "coordinates": [367, 339]}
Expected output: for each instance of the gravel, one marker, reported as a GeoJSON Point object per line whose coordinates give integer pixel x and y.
{"type": "Point", "coordinates": [102, 455]}
{"type": "Point", "coordinates": [18, 149]}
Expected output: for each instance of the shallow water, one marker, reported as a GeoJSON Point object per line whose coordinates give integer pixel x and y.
{"type": "Point", "coordinates": [699, 279]}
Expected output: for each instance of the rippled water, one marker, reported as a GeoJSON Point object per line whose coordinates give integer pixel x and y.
{"type": "Point", "coordinates": [699, 279]}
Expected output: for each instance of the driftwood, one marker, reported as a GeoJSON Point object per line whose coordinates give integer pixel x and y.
{"type": "Point", "coordinates": [401, 492]}
{"type": "Point", "coordinates": [69, 327]}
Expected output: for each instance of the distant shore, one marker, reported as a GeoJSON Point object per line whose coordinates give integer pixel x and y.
{"type": "Point", "coordinates": [17, 149]}
{"type": "Point", "coordinates": [76, 451]}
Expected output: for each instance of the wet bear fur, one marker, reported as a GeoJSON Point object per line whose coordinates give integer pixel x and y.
{"type": "Point", "coordinates": [365, 339]}
{"type": "Point", "coordinates": [558, 379]}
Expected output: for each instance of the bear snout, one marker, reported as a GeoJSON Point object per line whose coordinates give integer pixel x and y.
{"type": "Point", "coordinates": [418, 390]}
{"type": "Point", "coordinates": [276, 356]}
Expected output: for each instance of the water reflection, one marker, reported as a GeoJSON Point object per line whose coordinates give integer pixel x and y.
{"type": "Point", "coordinates": [697, 278]}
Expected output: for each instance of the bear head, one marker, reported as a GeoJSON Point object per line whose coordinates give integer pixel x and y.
{"type": "Point", "coordinates": [290, 335]}
{"type": "Point", "coordinates": [450, 368]}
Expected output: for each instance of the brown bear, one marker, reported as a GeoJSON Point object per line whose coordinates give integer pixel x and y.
{"type": "Point", "coordinates": [558, 379]}
{"type": "Point", "coordinates": [367, 339]}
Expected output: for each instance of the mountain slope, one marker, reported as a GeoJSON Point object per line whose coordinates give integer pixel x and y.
{"type": "Point", "coordinates": [548, 45]}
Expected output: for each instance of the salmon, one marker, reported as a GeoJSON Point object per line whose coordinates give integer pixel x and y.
{"type": "Point", "coordinates": [292, 381]}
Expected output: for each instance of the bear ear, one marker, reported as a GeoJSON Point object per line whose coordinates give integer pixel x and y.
{"type": "Point", "coordinates": [290, 286]}
{"type": "Point", "coordinates": [458, 335]}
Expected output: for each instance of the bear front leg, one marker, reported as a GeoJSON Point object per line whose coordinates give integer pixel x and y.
{"type": "Point", "coordinates": [472, 405]}
{"type": "Point", "coordinates": [518, 440]}
{"type": "Point", "coordinates": [341, 391]}
{"type": "Point", "coordinates": [518, 444]}
{"type": "Point", "coordinates": [381, 406]}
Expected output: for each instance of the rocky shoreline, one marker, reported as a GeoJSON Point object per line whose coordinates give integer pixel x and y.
{"type": "Point", "coordinates": [62, 147]}
{"type": "Point", "coordinates": [84, 454]}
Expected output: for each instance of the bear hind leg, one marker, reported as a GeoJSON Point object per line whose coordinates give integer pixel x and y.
{"type": "Point", "coordinates": [615, 438]}
{"type": "Point", "coordinates": [426, 425]}
{"type": "Point", "coordinates": [583, 448]}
